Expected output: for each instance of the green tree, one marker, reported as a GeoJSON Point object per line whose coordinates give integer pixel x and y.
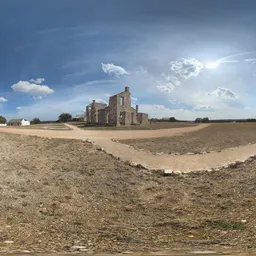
{"type": "Point", "coordinates": [172, 119]}
{"type": "Point", "coordinates": [36, 120]}
{"type": "Point", "coordinates": [205, 120]}
{"type": "Point", "coordinates": [65, 117]}
{"type": "Point", "coordinates": [2, 120]}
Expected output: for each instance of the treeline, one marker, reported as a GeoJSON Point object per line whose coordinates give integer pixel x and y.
{"type": "Point", "coordinates": [204, 120]}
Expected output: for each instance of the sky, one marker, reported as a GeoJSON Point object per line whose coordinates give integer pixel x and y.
{"type": "Point", "coordinates": [180, 58]}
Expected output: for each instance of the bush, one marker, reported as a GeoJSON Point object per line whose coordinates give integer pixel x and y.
{"type": "Point", "coordinates": [2, 120]}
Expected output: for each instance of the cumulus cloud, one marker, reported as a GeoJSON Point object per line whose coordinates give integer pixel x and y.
{"type": "Point", "coordinates": [223, 93]}
{"type": "Point", "coordinates": [30, 88]}
{"type": "Point", "coordinates": [112, 69]}
{"type": "Point", "coordinates": [186, 68]}
{"type": "Point", "coordinates": [19, 108]}
{"type": "Point", "coordinates": [2, 99]}
{"type": "Point", "coordinates": [201, 107]}
{"type": "Point", "coordinates": [98, 101]}
{"type": "Point", "coordinates": [37, 81]}
{"type": "Point", "coordinates": [165, 87]}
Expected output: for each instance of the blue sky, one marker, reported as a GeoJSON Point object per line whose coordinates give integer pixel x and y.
{"type": "Point", "coordinates": [180, 58]}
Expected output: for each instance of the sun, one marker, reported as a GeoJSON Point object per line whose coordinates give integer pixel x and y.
{"type": "Point", "coordinates": [212, 65]}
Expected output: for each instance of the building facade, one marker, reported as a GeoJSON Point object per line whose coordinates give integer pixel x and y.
{"type": "Point", "coordinates": [118, 112]}
{"type": "Point", "coordinates": [18, 122]}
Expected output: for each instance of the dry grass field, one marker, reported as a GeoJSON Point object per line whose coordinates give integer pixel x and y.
{"type": "Point", "coordinates": [58, 193]}
{"type": "Point", "coordinates": [216, 137]}
{"type": "Point", "coordinates": [152, 126]}
{"type": "Point", "coordinates": [48, 126]}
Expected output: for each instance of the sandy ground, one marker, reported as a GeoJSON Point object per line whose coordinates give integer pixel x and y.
{"type": "Point", "coordinates": [180, 163]}
{"type": "Point", "coordinates": [216, 137]}
{"type": "Point", "coordinates": [61, 195]}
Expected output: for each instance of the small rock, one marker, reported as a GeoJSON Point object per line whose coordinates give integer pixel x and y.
{"type": "Point", "coordinates": [8, 242]}
{"type": "Point", "coordinates": [243, 221]}
{"type": "Point", "coordinates": [78, 248]}
{"type": "Point", "coordinates": [189, 153]}
{"type": "Point", "coordinates": [168, 172]}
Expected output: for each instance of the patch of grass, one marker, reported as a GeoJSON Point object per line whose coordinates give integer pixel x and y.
{"type": "Point", "coordinates": [228, 225]}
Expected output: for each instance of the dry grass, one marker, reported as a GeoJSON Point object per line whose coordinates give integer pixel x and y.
{"type": "Point", "coordinates": [48, 126]}
{"type": "Point", "coordinates": [216, 137]}
{"type": "Point", "coordinates": [152, 126]}
{"type": "Point", "coordinates": [58, 193]}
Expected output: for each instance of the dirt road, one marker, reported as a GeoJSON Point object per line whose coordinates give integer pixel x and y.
{"type": "Point", "coordinates": [179, 163]}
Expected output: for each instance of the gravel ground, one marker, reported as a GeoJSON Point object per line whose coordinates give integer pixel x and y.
{"type": "Point", "coordinates": [216, 137]}
{"type": "Point", "coordinates": [64, 195]}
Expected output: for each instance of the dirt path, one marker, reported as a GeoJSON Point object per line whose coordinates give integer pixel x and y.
{"type": "Point", "coordinates": [182, 163]}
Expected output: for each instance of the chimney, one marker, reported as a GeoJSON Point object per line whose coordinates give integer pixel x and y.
{"type": "Point", "coordinates": [126, 88]}
{"type": "Point", "coordinates": [137, 109]}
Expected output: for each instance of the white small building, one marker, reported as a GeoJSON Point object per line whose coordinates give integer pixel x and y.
{"type": "Point", "coordinates": [3, 124]}
{"type": "Point", "coordinates": [18, 122]}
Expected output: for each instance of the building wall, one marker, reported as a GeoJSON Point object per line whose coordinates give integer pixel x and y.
{"type": "Point", "coordinates": [142, 118]}
{"type": "Point", "coordinates": [24, 122]}
{"type": "Point", "coordinates": [103, 116]}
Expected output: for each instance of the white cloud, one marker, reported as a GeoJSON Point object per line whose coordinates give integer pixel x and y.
{"type": "Point", "coordinates": [201, 107]}
{"type": "Point", "coordinates": [165, 87]}
{"type": "Point", "coordinates": [37, 81]}
{"type": "Point", "coordinates": [134, 100]}
{"type": "Point", "coordinates": [96, 82]}
{"type": "Point", "coordinates": [32, 89]}
{"type": "Point", "coordinates": [37, 98]}
{"type": "Point", "coordinates": [252, 60]}
{"type": "Point", "coordinates": [19, 108]}
{"type": "Point", "coordinates": [246, 108]}
{"type": "Point", "coordinates": [162, 107]}
{"type": "Point", "coordinates": [186, 68]}
{"type": "Point", "coordinates": [174, 102]}
{"type": "Point", "coordinates": [98, 101]}
{"type": "Point", "coordinates": [223, 93]}
{"type": "Point", "coordinates": [2, 99]}
{"type": "Point", "coordinates": [113, 69]}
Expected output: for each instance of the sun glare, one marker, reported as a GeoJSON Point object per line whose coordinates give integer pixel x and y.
{"type": "Point", "coordinates": [212, 65]}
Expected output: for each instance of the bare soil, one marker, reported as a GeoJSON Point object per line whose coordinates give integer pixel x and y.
{"type": "Point", "coordinates": [152, 126]}
{"type": "Point", "coordinates": [57, 193]}
{"type": "Point", "coordinates": [215, 137]}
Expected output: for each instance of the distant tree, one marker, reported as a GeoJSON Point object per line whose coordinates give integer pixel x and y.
{"type": "Point", "coordinates": [198, 120]}
{"type": "Point", "coordinates": [65, 117]}
{"type": "Point", "coordinates": [36, 120]}
{"type": "Point", "coordinates": [2, 120]}
{"type": "Point", "coordinates": [172, 119]}
{"type": "Point", "coordinates": [205, 120]}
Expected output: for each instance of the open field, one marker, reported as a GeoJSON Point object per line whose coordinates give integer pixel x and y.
{"type": "Point", "coordinates": [57, 193]}
{"type": "Point", "coordinates": [216, 137]}
{"type": "Point", "coordinates": [152, 126]}
{"type": "Point", "coordinates": [49, 126]}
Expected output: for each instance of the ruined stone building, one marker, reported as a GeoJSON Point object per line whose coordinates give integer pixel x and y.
{"type": "Point", "coordinates": [118, 112]}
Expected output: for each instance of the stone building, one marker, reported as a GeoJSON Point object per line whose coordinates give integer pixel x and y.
{"type": "Point", "coordinates": [118, 112]}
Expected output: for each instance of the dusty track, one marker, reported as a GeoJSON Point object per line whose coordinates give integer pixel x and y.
{"type": "Point", "coordinates": [183, 163]}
